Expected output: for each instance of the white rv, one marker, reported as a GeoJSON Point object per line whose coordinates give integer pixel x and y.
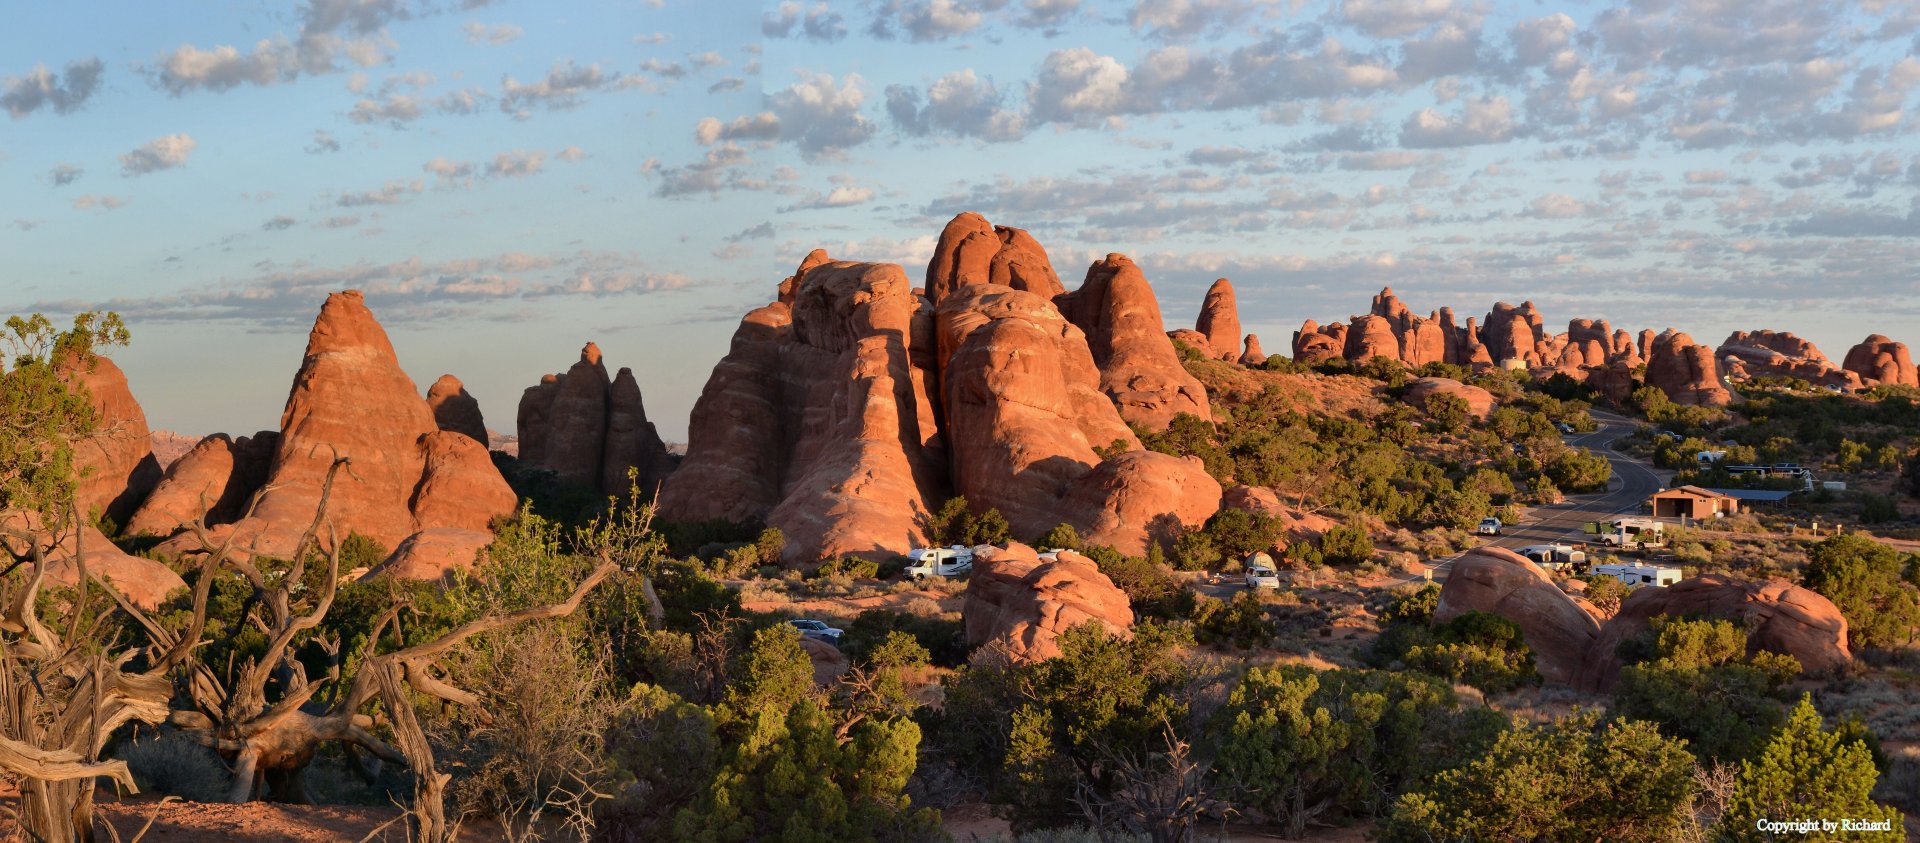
{"type": "Point", "coordinates": [1554, 557]}
{"type": "Point", "coordinates": [1636, 574]}
{"type": "Point", "coordinates": [1631, 531]}
{"type": "Point", "coordinates": [939, 562]}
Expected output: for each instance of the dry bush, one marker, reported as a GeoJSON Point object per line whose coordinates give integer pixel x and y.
{"type": "Point", "coordinates": [531, 760]}
{"type": "Point", "coordinates": [169, 762]}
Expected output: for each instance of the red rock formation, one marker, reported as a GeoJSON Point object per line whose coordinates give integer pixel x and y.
{"type": "Point", "coordinates": [828, 662]}
{"type": "Point", "coordinates": [1588, 343]}
{"type": "Point", "coordinates": [351, 398]}
{"type": "Point", "coordinates": [1779, 617]}
{"type": "Point", "coordinates": [1023, 408]}
{"type": "Point", "coordinates": [1473, 352]}
{"type": "Point", "coordinates": [1220, 321]}
{"type": "Point", "coordinates": [1879, 360]}
{"type": "Point", "coordinates": [1141, 497]}
{"type": "Point", "coordinates": [1017, 602]}
{"type": "Point", "coordinates": [1614, 381]}
{"type": "Point", "coordinates": [169, 447]}
{"type": "Point", "coordinates": [1479, 401]}
{"type": "Point", "coordinates": [1253, 356]}
{"type": "Point", "coordinates": [820, 419]}
{"type": "Point", "coordinates": [214, 481]}
{"type": "Point", "coordinates": [964, 255]}
{"type": "Point", "coordinates": [456, 410]}
{"type": "Point", "coordinates": [117, 467]}
{"type": "Point", "coordinates": [458, 483]}
{"type": "Point", "coordinates": [1370, 336]}
{"type": "Point", "coordinates": [1559, 628]}
{"type": "Point", "coordinates": [1423, 342]}
{"type": "Point", "coordinates": [1022, 264]}
{"type": "Point", "coordinates": [1685, 371]}
{"type": "Point", "coordinates": [1780, 354]}
{"type": "Point", "coordinates": [1644, 343]}
{"type": "Point", "coordinates": [1312, 345]}
{"type": "Point", "coordinates": [1508, 334]}
{"type": "Point", "coordinates": [1190, 338]}
{"type": "Point", "coordinates": [590, 432]}
{"type": "Point", "coordinates": [435, 554]}
{"type": "Point", "coordinates": [143, 581]}
{"type": "Point", "coordinates": [1139, 369]}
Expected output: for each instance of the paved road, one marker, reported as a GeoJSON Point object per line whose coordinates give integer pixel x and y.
{"type": "Point", "coordinates": [1632, 483]}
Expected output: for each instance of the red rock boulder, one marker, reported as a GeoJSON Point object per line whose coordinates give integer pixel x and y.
{"type": "Point", "coordinates": [1253, 355]}
{"type": "Point", "coordinates": [1685, 371]}
{"type": "Point", "coordinates": [1219, 321]}
{"type": "Point", "coordinates": [592, 432]}
{"type": "Point", "coordinates": [1479, 401]}
{"type": "Point", "coordinates": [1311, 345]}
{"type": "Point", "coordinates": [1139, 369]}
{"type": "Point", "coordinates": [213, 481]}
{"type": "Point", "coordinates": [1779, 617]}
{"type": "Point", "coordinates": [1140, 498]}
{"type": "Point", "coordinates": [1559, 628]}
{"type": "Point", "coordinates": [117, 466]}
{"type": "Point", "coordinates": [433, 555]}
{"type": "Point", "coordinates": [1879, 360]}
{"type": "Point", "coordinates": [1017, 602]}
{"type": "Point", "coordinates": [455, 409]}
{"type": "Point", "coordinates": [1781, 354]}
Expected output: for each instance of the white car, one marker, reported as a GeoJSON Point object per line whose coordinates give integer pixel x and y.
{"type": "Point", "coordinates": [811, 628]}
{"type": "Point", "coordinates": [1489, 527]}
{"type": "Point", "coordinates": [1262, 577]}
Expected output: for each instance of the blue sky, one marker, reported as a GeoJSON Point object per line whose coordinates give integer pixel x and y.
{"type": "Point", "coordinates": [510, 180]}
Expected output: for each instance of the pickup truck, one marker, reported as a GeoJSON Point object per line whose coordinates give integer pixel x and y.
{"type": "Point", "coordinates": [955, 561]}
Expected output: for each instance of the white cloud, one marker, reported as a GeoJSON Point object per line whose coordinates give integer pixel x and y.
{"type": "Point", "coordinates": [959, 103]}
{"type": "Point", "coordinates": [817, 23]}
{"type": "Point", "coordinates": [391, 193]}
{"type": "Point", "coordinates": [517, 163]}
{"type": "Point", "coordinates": [101, 202]}
{"type": "Point", "coordinates": [927, 20]}
{"type": "Point", "coordinates": [559, 91]}
{"type": "Point", "coordinates": [163, 153]}
{"type": "Point", "coordinates": [40, 88]}
{"type": "Point", "coordinates": [1557, 206]}
{"type": "Point", "coordinates": [1079, 86]}
{"type": "Point", "coordinates": [1187, 18]}
{"type": "Point", "coordinates": [493, 36]}
{"type": "Point", "coordinates": [64, 174]}
{"type": "Point", "coordinates": [330, 30]}
{"type": "Point", "coordinates": [822, 117]}
{"type": "Point", "coordinates": [758, 127]}
{"type": "Point", "coordinates": [1393, 18]}
{"type": "Point", "coordinates": [1485, 120]}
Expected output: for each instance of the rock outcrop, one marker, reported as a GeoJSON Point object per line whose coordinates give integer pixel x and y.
{"type": "Point", "coordinates": [1779, 617]}
{"type": "Point", "coordinates": [1018, 602]}
{"type": "Point", "coordinates": [1479, 401]}
{"type": "Point", "coordinates": [591, 432]}
{"type": "Point", "coordinates": [350, 398]}
{"type": "Point", "coordinates": [1253, 355]}
{"type": "Point", "coordinates": [1313, 345]}
{"type": "Point", "coordinates": [1781, 354]}
{"type": "Point", "coordinates": [435, 554]}
{"type": "Point", "coordinates": [213, 481]}
{"type": "Point", "coordinates": [820, 420]}
{"type": "Point", "coordinates": [1219, 321]}
{"type": "Point", "coordinates": [1685, 371]}
{"type": "Point", "coordinates": [974, 251]}
{"type": "Point", "coordinates": [455, 409]}
{"type": "Point", "coordinates": [117, 465]}
{"type": "Point", "coordinates": [1509, 334]}
{"type": "Point", "coordinates": [1559, 628]}
{"type": "Point", "coordinates": [1024, 410]}
{"type": "Point", "coordinates": [1879, 360]}
{"type": "Point", "coordinates": [1139, 368]}
{"type": "Point", "coordinates": [1141, 497]}
{"type": "Point", "coordinates": [1300, 526]}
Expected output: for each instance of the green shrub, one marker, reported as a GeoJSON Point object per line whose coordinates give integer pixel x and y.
{"type": "Point", "coordinates": [1240, 622]}
{"type": "Point", "coordinates": [1346, 544]}
{"type": "Point", "coordinates": [1691, 661]}
{"type": "Point", "coordinates": [1805, 771]}
{"type": "Point", "coordinates": [1863, 578]}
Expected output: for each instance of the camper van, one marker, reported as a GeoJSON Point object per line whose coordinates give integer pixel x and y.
{"type": "Point", "coordinates": [1636, 574]}
{"type": "Point", "coordinates": [952, 561]}
{"type": "Point", "coordinates": [1554, 557]}
{"type": "Point", "coordinates": [1628, 532]}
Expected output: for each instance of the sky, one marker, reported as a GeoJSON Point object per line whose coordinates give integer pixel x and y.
{"type": "Point", "coordinates": [509, 180]}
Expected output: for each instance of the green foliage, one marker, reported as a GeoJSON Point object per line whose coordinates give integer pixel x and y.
{"type": "Point", "coordinates": [1480, 649]}
{"type": "Point", "coordinates": [849, 566]}
{"type": "Point", "coordinates": [1574, 780]}
{"type": "Point", "coordinates": [45, 414]}
{"type": "Point", "coordinates": [1240, 622]}
{"type": "Point", "coordinates": [1863, 579]}
{"type": "Point", "coordinates": [1385, 369]}
{"type": "Point", "coordinates": [1346, 544]}
{"type": "Point", "coordinates": [358, 552]}
{"type": "Point", "coordinates": [1301, 746]}
{"type": "Point", "coordinates": [1575, 470]}
{"type": "Point", "coordinates": [1061, 537]}
{"type": "Point", "coordinates": [1877, 509]}
{"type": "Point", "coordinates": [1238, 534]}
{"type": "Point", "coordinates": [1700, 685]}
{"type": "Point", "coordinates": [1039, 734]}
{"type": "Point", "coordinates": [945, 641]}
{"type": "Point", "coordinates": [955, 523]}
{"type": "Point", "coordinates": [1195, 551]}
{"type": "Point", "coordinates": [1446, 412]}
{"type": "Point", "coordinates": [1805, 771]}
{"type": "Point", "coordinates": [1151, 587]}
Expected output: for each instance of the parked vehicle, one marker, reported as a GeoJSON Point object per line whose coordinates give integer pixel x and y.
{"type": "Point", "coordinates": [1554, 557]}
{"type": "Point", "coordinates": [1563, 427]}
{"type": "Point", "coordinates": [1636, 574]}
{"type": "Point", "coordinates": [1261, 576]}
{"type": "Point", "coordinates": [818, 630]}
{"type": "Point", "coordinates": [1642, 532]}
{"type": "Point", "coordinates": [1489, 527]}
{"type": "Point", "coordinates": [955, 561]}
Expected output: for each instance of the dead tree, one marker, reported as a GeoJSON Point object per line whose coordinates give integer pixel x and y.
{"type": "Point", "coordinates": [270, 719]}
{"type": "Point", "coordinates": [63, 692]}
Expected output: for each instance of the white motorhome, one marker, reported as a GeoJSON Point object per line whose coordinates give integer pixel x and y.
{"type": "Point", "coordinates": [1554, 557]}
{"type": "Point", "coordinates": [1636, 574]}
{"type": "Point", "coordinates": [928, 562]}
{"type": "Point", "coordinates": [1630, 531]}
